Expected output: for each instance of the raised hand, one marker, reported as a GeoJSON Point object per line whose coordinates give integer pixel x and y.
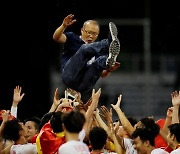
{"type": "Point", "coordinates": [175, 98]}
{"type": "Point", "coordinates": [68, 20]}
{"type": "Point", "coordinates": [17, 97]}
{"type": "Point", "coordinates": [56, 100]}
{"type": "Point", "coordinates": [107, 114]}
{"type": "Point", "coordinates": [6, 115]}
{"type": "Point", "coordinates": [96, 95]}
{"type": "Point", "coordinates": [117, 104]}
{"type": "Point", "coordinates": [169, 112]}
{"type": "Point", "coordinates": [176, 103]}
{"type": "Point", "coordinates": [88, 103]}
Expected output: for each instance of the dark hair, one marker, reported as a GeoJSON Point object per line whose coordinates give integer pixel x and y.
{"type": "Point", "coordinates": [11, 130]}
{"type": "Point", "coordinates": [74, 121]}
{"type": "Point", "coordinates": [150, 123]}
{"type": "Point", "coordinates": [97, 137]}
{"type": "Point", "coordinates": [175, 130]}
{"type": "Point", "coordinates": [46, 117]}
{"type": "Point", "coordinates": [132, 120]}
{"type": "Point", "coordinates": [56, 122]}
{"type": "Point", "coordinates": [145, 134]}
{"type": "Point", "coordinates": [34, 119]}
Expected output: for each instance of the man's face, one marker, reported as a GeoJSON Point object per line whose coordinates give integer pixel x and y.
{"type": "Point", "coordinates": [24, 129]}
{"type": "Point", "coordinates": [121, 132]}
{"type": "Point", "coordinates": [139, 145]}
{"type": "Point", "coordinates": [31, 130]}
{"type": "Point", "coordinates": [90, 32]}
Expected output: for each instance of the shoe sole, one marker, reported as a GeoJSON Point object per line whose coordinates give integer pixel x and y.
{"type": "Point", "coordinates": [114, 50]}
{"type": "Point", "coordinates": [113, 31]}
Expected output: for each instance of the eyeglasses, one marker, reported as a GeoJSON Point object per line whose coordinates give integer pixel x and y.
{"type": "Point", "coordinates": [90, 32]}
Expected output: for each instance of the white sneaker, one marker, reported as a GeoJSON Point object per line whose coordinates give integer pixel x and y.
{"type": "Point", "coordinates": [114, 50]}
{"type": "Point", "coordinates": [113, 31]}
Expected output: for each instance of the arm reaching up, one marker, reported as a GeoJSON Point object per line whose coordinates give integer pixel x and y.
{"type": "Point", "coordinates": [17, 97]}
{"type": "Point", "coordinates": [176, 103]}
{"type": "Point", "coordinates": [107, 114]}
{"type": "Point", "coordinates": [58, 35]}
{"type": "Point", "coordinates": [123, 119]}
{"type": "Point", "coordinates": [95, 99]}
{"type": "Point", "coordinates": [168, 120]}
{"type": "Point", "coordinates": [56, 101]}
